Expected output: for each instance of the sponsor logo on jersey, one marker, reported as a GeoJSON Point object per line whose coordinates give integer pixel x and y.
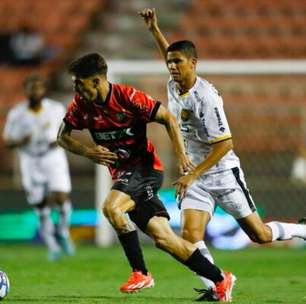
{"type": "Point", "coordinates": [47, 125]}
{"type": "Point", "coordinates": [185, 114]}
{"type": "Point", "coordinates": [116, 134]}
{"type": "Point", "coordinates": [220, 123]}
{"type": "Point", "coordinates": [185, 128]}
{"type": "Point", "coordinates": [204, 123]}
{"type": "Point", "coordinates": [123, 154]}
{"type": "Point", "coordinates": [197, 97]}
{"type": "Point", "coordinates": [121, 116]}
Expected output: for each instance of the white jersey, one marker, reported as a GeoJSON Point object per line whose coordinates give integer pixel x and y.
{"type": "Point", "coordinates": [43, 169]}
{"type": "Point", "coordinates": [202, 120]}
{"type": "Point", "coordinates": [42, 126]}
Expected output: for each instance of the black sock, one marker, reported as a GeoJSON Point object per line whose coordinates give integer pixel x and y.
{"type": "Point", "coordinates": [133, 252]}
{"type": "Point", "coordinates": [203, 267]}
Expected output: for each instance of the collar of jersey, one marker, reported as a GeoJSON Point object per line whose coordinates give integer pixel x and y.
{"type": "Point", "coordinates": [36, 112]}
{"type": "Point", "coordinates": [191, 89]}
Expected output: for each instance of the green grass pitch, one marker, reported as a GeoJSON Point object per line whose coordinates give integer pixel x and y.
{"type": "Point", "coordinates": [265, 275]}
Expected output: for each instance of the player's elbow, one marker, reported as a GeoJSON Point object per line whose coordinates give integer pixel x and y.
{"type": "Point", "coordinates": [61, 140]}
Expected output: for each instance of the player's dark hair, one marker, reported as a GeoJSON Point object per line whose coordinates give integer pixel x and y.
{"type": "Point", "coordinates": [185, 46]}
{"type": "Point", "coordinates": [34, 78]}
{"type": "Point", "coordinates": [88, 65]}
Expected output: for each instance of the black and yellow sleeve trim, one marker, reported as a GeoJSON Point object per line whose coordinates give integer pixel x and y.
{"type": "Point", "coordinates": [154, 111]}
{"type": "Point", "coordinates": [221, 138]}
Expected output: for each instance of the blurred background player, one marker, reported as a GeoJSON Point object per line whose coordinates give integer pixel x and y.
{"type": "Point", "coordinates": [217, 177]}
{"type": "Point", "coordinates": [116, 117]}
{"type": "Point", "coordinates": [31, 127]}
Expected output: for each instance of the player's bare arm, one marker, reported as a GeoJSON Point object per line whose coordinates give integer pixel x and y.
{"type": "Point", "coordinates": [150, 18]}
{"type": "Point", "coordinates": [97, 154]}
{"type": "Point", "coordinates": [13, 144]}
{"type": "Point", "coordinates": [219, 149]}
{"type": "Point", "coordinates": [163, 116]}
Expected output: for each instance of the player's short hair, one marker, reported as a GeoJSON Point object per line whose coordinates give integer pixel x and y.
{"type": "Point", "coordinates": [185, 46]}
{"type": "Point", "coordinates": [88, 65]}
{"type": "Point", "coordinates": [34, 78]}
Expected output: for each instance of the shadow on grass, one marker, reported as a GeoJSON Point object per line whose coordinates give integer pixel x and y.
{"type": "Point", "coordinates": [110, 299]}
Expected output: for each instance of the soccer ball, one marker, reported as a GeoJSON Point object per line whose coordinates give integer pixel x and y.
{"type": "Point", "coordinates": [4, 285]}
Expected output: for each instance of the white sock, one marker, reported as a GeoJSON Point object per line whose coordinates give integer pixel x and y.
{"type": "Point", "coordinates": [205, 252]}
{"type": "Point", "coordinates": [286, 231]}
{"type": "Point", "coordinates": [64, 219]}
{"type": "Point", "coordinates": [47, 229]}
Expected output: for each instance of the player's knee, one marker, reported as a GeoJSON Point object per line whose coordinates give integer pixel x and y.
{"type": "Point", "coordinates": [105, 210]}
{"type": "Point", "coordinates": [109, 211]}
{"type": "Point", "coordinates": [113, 214]}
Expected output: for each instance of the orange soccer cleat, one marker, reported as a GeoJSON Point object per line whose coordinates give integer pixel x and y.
{"type": "Point", "coordinates": [137, 281]}
{"type": "Point", "coordinates": [225, 287]}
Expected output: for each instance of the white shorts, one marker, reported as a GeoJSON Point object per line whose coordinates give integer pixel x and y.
{"type": "Point", "coordinates": [41, 175]}
{"type": "Point", "coordinates": [226, 189]}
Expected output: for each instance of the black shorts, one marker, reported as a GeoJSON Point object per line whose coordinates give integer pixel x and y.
{"type": "Point", "coordinates": [142, 185]}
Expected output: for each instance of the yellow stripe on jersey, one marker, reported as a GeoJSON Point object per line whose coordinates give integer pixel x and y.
{"type": "Point", "coordinates": [221, 138]}
{"type": "Point", "coordinates": [35, 112]}
{"type": "Point", "coordinates": [184, 94]}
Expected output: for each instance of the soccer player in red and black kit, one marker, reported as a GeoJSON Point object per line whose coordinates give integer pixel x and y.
{"type": "Point", "coordinates": [116, 116]}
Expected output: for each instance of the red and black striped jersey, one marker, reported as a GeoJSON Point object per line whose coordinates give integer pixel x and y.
{"type": "Point", "coordinates": [120, 125]}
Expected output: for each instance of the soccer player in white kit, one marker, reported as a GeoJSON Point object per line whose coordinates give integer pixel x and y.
{"type": "Point", "coordinates": [217, 177]}
{"type": "Point", "coordinates": [32, 127]}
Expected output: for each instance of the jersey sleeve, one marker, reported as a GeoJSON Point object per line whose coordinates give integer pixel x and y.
{"type": "Point", "coordinates": [74, 116]}
{"type": "Point", "coordinates": [142, 104]}
{"type": "Point", "coordinates": [173, 106]}
{"type": "Point", "coordinates": [213, 118]}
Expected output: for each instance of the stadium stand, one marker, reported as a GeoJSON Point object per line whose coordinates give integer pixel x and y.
{"type": "Point", "coordinates": [260, 108]}
{"type": "Point", "coordinates": [61, 33]}
{"type": "Point", "coordinates": [266, 113]}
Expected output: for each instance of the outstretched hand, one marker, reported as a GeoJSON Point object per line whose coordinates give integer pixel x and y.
{"type": "Point", "coordinates": [149, 16]}
{"type": "Point", "coordinates": [183, 183]}
{"type": "Point", "coordinates": [101, 155]}
{"type": "Point", "coordinates": [188, 176]}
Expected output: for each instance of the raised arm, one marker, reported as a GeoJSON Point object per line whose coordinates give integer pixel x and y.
{"type": "Point", "coordinates": [164, 117]}
{"type": "Point", "coordinates": [97, 154]}
{"type": "Point", "coordinates": [150, 18]}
